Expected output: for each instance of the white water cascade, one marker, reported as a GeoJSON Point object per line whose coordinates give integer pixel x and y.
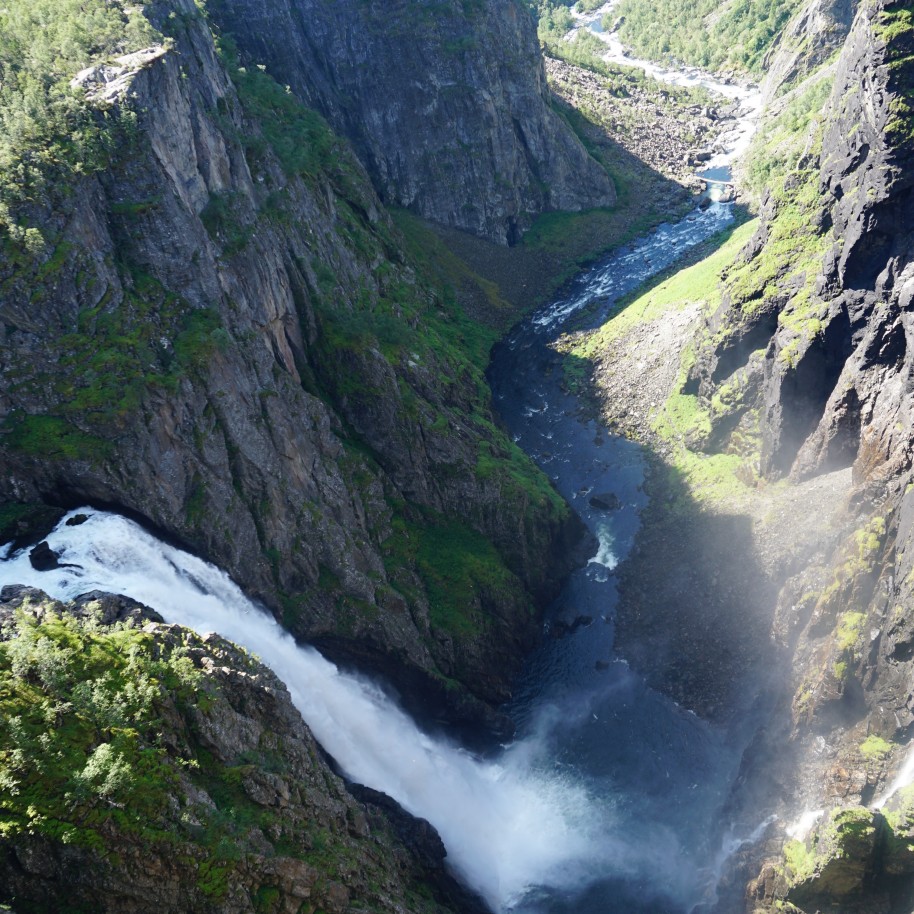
{"type": "Point", "coordinates": [507, 826]}
{"type": "Point", "coordinates": [731, 144]}
{"type": "Point", "coordinates": [904, 778]}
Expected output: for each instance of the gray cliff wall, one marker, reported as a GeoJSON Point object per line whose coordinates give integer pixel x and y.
{"type": "Point", "coordinates": [224, 336]}
{"type": "Point", "coordinates": [816, 325]}
{"type": "Point", "coordinates": [445, 103]}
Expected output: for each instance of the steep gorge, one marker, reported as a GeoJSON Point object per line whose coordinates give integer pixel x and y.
{"type": "Point", "coordinates": [224, 332]}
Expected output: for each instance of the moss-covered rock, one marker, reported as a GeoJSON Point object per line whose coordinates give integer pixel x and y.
{"type": "Point", "coordinates": [839, 857]}
{"type": "Point", "coordinates": [146, 769]}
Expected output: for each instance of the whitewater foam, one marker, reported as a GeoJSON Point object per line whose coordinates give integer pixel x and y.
{"type": "Point", "coordinates": [507, 825]}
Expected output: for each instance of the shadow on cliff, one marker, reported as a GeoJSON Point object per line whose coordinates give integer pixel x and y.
{"type": "Point", "coordinates": [696, 607]}
{"type": "Point", "coordinates": [560, 244]}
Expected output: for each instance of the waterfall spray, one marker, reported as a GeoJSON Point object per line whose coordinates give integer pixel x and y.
{"type": "Point", "coordinates": [507, 826]}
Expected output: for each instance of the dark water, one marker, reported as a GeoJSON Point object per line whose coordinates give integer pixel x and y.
{"type": "Point", "coordinates": [661, 774]}
{"type": "Point", "coordinates": [721, 173]}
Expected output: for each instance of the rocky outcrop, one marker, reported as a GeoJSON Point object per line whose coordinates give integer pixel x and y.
{"type": "Point", "coordinates": [221, 334]}
{"type": "Point", "coordinates": [445, 103]}
{"type": "Point", "coordinates": [814, 34]}
{"type": "Point", "coordinates": [237, 809]}
{"type": "Point", "coordinates": [825, 282]}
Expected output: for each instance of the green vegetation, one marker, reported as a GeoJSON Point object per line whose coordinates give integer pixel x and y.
{"type": "Point", "coordinates": [47, 131]}
{"type": "Point", "coordinates": [672, 291]}
{"type": "Point", "coordinates": [858, 561]}
{"type": "Point", "coordinates": [848, 636]}
{"type": "Point", "coordinates": [586, 50]}
{"type": "Point", "coordinates": [801, 862]}
{"type": "Point", "coordinates": [875, 748]}
{"type": "Point", "coordinates": [107, 746]}
{"type": "Point", "coordinates": [52, 437]}
{"type": "Point", "coordinates": [461, 570]}
{"type": "Point", "coordinates": [683, 418]}
{"type": "Point", "coordinates": [105, 365]}
{"type": "Point", "coordinates": [421, 321]}
{"type": "Point", "coordinates": [781, 138]}
{"type": "Point", "coordinates": [49, 136]}
{"type": "Point", "coordinates": [554, 19]}
{"type": "Point", "coordinates": [455, 283]}
{"type": "Point", "coordinates": [80, 742]}
{"type": "Point", "coordinates": [462, 574]}
{"type": "Point", "coordinates": [895, 26]}
{"type": "Point", "coordinates": [833, 860]}
{"type": "Point", "coordinates": [701, 33]}
{"type": "Point", "coordinates": [781, 277]}
{"type": "Point", "coordinates": [298, 136]}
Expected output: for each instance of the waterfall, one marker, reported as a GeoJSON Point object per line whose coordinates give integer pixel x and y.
{"type": "Point", "coordinates": [904, 778]}
{"type": "Point", "coordinates": [507, 825]}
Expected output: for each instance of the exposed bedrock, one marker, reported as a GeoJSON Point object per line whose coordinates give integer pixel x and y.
{"type": "Point", "coordinates": [446, 104]}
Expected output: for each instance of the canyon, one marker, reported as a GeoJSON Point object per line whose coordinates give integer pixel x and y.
{"type": "Point", "coordinates": [245, 327]}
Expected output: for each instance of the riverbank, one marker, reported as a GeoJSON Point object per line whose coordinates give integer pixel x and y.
{"type": "Point", "coordinates": [644, 133]}
{"type": "Point", "coordinates": [699, 591]}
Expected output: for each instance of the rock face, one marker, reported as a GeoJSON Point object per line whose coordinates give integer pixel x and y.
{"type": "Point", "coordinates": [246, 814]}
{"type": "Point", "coordinates": [445, 103]}
{"type": "Point", "coordinates": [817, 31]}
{"type": "Point", "coordinates": [830, 306]}
{"type": "Point", "coordinates": [221, 333]}
{"type": "Point", "coordinates": [811, 347]}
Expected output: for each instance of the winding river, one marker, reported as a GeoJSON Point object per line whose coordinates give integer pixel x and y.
{"type": "Point", "coordinates": [610, 800]}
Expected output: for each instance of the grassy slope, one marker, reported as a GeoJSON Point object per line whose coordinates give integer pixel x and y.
{"type": "Point", "coordinates": [701, 33]}
{"type": "Point", "coordinates": [707, 477]}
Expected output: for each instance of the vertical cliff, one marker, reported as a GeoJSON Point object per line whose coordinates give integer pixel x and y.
{"type": "Point", "coordinates": [823, 285]}
{"type": "Point", "coordinates": [446, 104]}
{"type": "Point", "coordinates": [811, 348]}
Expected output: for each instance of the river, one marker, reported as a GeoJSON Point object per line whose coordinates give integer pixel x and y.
{"type": "Point", "coordinates": [610, 800]}
{"type": "Point", "coordinates": [733, 141]}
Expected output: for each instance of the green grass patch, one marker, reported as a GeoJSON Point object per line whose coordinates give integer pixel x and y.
{"type": "Point", "coordinates": [52, 437]}
{"type": "Point", "coordinates": [105, 365]}
{"type": "Point", "coordinates": [670, 292]}
{"type": "Point", "coordinates": [875, 748]}
{"type": "Point", "coordinates": [695, 477]}
{"type": "Point", "coordinates": [461, 569]}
